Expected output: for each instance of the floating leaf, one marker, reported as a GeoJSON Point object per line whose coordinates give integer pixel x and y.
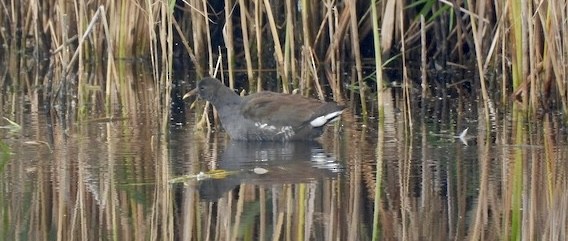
{"type": "Point", "coordinates": [259, 170]}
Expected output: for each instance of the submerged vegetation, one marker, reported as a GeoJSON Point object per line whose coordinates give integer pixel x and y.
{"type": "Point", "coordinates": [460, 47]}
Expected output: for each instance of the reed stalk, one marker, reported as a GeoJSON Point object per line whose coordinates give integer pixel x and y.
{"type": "Point", "coordinates": [481, 209]}
{"type": "Point", "coordinates": [278, 226]}
{"type": "Point", "coordinates": [277, 46]}
{"type": "Point", "coordinates": [405, 79]}
{"type": "Point", "coordinates": [290, 60]}
{"type": "Point", "coordinates": [288, 208]}
{"type": "Point", "coordinates": [357, 55]}
{"type": "Point", "coordinates": [79, 12]}
{"type": "Point", "coordinates": [504, 79]}
{"type": "Point", "coordinates": [388, 26]}
{"type": "Point", "coordinates": [154, 60]}
{"type": "Point", "coordinates": [378, 182]}
{"type": "Point", "coordinates": [246, 41]}
{"type": "Point", "coordinates": [197, 36]}
{"type": "Point", "coordinates": [516, 179]}
{"type": "Point", "coordinates": [88, 31]}
{"type": "Point", "coordinates": [336, 31]}
{"type": "Point", "coordinates": [206, 20]}
{"type": "Point", "coordinates": [555, 51]}
{"type": "Point", "coordinates": [229, 41]}
{"type": "Point", "coordinates": [238, 214]}
{"type": "Point", "coordinates": [524, 39]}
{"type": "Point", "coordinates": [378, 58]}
{"type": "Point", "coordinates": [306, 21]}
{"type": "Point", "coordinates": [263, 213]}
{"type": "Point", "coordinates": [111, 71]}
{"type": "Point", "coordinates": [305, 48]}
{"type": "Point", "coordinates": [258, 33]}
{"type": "Point", "coordinates": [300, 211]}
{"type": "Point", "coordinates": [517, 52]}
{"type": "Point", "coordinates": [477, 36]}
{"type": "Point", "coordinates": [532, 72]}
{"type": "Point", "coordinates": [423, 58]}
{"type": "Point", "coordinates": [314, 74]}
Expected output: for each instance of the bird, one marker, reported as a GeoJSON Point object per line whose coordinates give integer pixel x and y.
{"type": "Point", "coordinates": [266, 115]}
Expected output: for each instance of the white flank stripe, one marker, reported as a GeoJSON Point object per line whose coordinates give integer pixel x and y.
{"type": "Point", "coordinates": [322, 120]}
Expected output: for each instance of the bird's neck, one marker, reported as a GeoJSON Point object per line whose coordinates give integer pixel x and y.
{"type": "Point", "coordinates": [230, 98]}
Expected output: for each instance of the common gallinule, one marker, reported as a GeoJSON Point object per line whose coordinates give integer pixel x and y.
{"type": "Point", "coordinates": [267, 116]}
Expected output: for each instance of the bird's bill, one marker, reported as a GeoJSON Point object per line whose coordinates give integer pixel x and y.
{"type": "Point", "coordinates": [190, 93]}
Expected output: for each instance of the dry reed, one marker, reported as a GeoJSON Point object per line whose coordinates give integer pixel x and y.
{"type": "Point", "coordinates": [453, 33]}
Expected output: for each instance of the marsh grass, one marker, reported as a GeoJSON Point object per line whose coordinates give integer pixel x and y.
{"type": "Point", "coordinates": [74, 34]}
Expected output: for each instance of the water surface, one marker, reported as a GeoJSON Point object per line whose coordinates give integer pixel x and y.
{"type": "Point", "coordinates": [127, 173]}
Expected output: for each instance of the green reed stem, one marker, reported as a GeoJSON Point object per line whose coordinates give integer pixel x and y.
{"type": "Point", "coordinates": [379, 68]}
{"type": "Point", "coordinates": [517, 181]}
{"type": "Point", "coordinates": [378, 58]}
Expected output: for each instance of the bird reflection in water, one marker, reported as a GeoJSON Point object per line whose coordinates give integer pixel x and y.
{"type": "Point", "coordinates": [266, 163]}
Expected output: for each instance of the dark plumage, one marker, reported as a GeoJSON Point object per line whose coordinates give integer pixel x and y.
{"type": "Point", "coordinates": [267, 116]}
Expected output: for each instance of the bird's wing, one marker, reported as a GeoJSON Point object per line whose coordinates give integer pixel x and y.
{"type": "Point", "coordinates": [286, 110]}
